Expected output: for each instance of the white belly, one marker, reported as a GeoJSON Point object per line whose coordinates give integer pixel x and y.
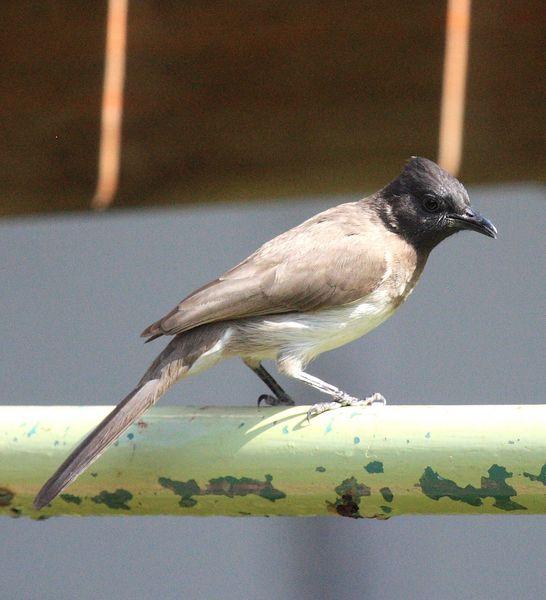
{"type": "Point", "coordinates": [309, 334]}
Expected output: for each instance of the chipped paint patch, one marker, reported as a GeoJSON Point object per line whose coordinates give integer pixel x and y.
{"type": "Point", "coordinates": [222, 486]}
{"type": "Point", "coordinates": [6, 496]}
{"type": "Point", "coordinates": [347, 504]}
{"type": "Point", "coordinates": [386, 509]}
{"type": "Point", "coordinates": [184, 489]}
{"type": "Point", "coordinates": [494, 486]}
{"type": "Point", "coordinates": [540, 477]}
{"type": "Point", "coordinates": [70, 498]}
{"type": "Point", "coordinates": [356, 440]}
{"type": "Point", "coordinates": [320, 469]}
{"type": "Point", "coordinates": [116, 500]}
{"type": "Point", "coordinates": [376, 466]}
{"type": "Point", "coordinates": [387, 494]}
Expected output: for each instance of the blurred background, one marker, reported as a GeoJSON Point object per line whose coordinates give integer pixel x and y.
{"type": "Point", "coordinates": [240, 120]}
{"type": "Point", "coordinates": [255, 99]}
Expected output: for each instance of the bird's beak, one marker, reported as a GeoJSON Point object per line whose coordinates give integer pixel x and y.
{"type": "Point", "coordinates": [472, 219]}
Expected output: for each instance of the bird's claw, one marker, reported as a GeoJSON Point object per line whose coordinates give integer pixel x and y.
{"type": "Point", "coordinates": [344, 400]}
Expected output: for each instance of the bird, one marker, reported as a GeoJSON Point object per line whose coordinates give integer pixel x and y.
{"type": "Point", "coordinates": [313, 288]}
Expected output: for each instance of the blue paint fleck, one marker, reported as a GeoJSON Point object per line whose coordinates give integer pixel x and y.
{"type": "Point", "coordinates": [241, 425]}
{"type": "Point", "coordinates": [130, 436]}
{"type": "Point", "coordinates": [356, 440]}
{"type": "Point", "coordinates": [32, 431]}
{"type": "Point", "coordinates": [427, 435]}
{"type": "Point", "coordinates": [328, 427]}
{"type": "Point", "coordinates": [285, 429]}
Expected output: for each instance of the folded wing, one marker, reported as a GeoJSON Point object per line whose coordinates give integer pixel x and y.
{"type": "Point", "coordinates": [331, 259]}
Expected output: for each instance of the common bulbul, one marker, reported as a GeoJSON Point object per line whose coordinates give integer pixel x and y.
{"type": "Point", "coordinates": [311, 289]}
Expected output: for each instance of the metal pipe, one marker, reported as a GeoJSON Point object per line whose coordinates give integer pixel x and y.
{"type": "Point", "coordinates": [369, 462]}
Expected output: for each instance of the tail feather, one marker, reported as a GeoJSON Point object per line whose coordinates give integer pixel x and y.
{"type": "Point", "coordinates": [171, 365]}
{"type": "Point", "coordinates": [106, 432]}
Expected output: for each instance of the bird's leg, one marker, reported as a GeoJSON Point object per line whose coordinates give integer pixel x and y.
{"type": "Point", "coordinates": [293, 368]}
{"type": "Point", "coordinates": [280, 396]}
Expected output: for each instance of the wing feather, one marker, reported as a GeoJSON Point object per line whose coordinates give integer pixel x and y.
{"type": "Point", "coordinates": [333, 258]}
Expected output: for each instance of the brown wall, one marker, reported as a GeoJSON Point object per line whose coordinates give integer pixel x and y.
{"type": "Point", "coordinates": [234, 100]}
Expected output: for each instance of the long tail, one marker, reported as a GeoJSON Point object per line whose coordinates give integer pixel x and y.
{"type": "Point", "coordinates": [169, 367]}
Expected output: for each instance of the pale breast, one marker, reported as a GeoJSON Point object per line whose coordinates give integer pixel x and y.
{"type": "Point", "coordinates": [305, 335]}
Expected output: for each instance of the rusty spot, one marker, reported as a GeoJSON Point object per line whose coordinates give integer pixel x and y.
{"type": "Point", "coordinates": [349, 492]}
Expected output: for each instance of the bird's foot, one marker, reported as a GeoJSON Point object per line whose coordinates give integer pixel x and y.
{"type": "Point", "coordinates": [270, 400]}
{"type": "Point", "coordinates": [344, 400]}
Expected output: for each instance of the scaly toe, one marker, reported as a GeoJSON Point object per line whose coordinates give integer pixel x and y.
{"type": "Point", "coordinates": [318, 409]}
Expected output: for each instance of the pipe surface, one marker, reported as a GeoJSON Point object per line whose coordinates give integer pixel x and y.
{"type": "Point", "coordinates": [368, 462]}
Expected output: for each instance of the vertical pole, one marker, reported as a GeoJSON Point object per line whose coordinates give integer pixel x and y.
{"type": "Point", "coordinates": [454, 83]}
{"type": "Point", "coordinates": [112, 104]}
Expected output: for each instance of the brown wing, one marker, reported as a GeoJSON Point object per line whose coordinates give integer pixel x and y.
{"type": "Point", "coordinates": [333, 258]}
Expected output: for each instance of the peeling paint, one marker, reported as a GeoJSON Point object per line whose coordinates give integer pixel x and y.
{"type": "Point", "coordinates": [115, 500]}
{"type": "Point", "coordinates": [222, 486]}
{"type": "Point", "coordinates": [387, 494]}
{"type": "Point", "coordinates": [6, 496]}
{"type": "Point", "coordinates": [375, 466]}
{"type": "Point", "coordinates": [71, 499]}
{"type": "Point", "coordinates": [540, 477]}
{"type": "Point", "coordinates": [494, 486]}
{"type": "Point", "coordinates": [349, 492]}
{"type": "Point", "coordinates": [184, 489]}
{"type": "Point", "coordinates": [231, 486]}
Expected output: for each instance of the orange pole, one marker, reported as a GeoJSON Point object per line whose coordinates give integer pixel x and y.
{"type": "Point", "coordinates": [112, 104]}
{"type": "Point", "coordinates": [454, 83]}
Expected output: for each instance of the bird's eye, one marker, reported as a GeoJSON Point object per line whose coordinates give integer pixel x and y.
{"type": "Point", "coordinates": [431, 204]}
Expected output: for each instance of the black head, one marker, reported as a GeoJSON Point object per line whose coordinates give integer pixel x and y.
{"type": "Point", "coordinates": [425, 204]}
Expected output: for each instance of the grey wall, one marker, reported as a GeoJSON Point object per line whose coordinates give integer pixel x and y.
{"type": "Point", "coordinates": [75, 293]}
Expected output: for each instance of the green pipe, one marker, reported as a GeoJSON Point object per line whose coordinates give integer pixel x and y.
{"type": "Point", "coordinates": [368, 462]}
